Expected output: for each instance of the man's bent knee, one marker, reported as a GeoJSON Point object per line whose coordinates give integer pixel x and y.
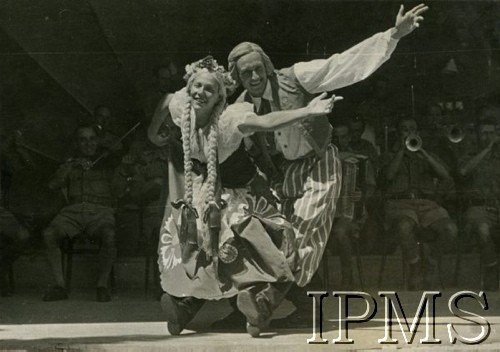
{"type": "Point", "coordinates": [108, 236]}
{"type": "Point", "coordinates": [405, 227]}
{"type": "Point", "coordinates": [51, 236]}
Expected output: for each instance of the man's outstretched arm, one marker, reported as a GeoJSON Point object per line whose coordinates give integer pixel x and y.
{"type": "Point", "coordinates": [360, 61]}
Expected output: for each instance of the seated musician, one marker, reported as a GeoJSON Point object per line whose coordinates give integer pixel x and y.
{"type": "Point", "coordinates": [12, 239]}
{"type": "Point", "coordinates": [102, 121]}
{"type": "Point", "coordinates": [146, 167]}
{"type": "Point", "coordinates": [13, 235]}
{"type": "Point", "coordinates": [359, 145]}
{"type": "Point", "coordinates": [410, 175]}
{"type": "Point", "coordinates": [358, 184]}
{"type": "Point", "coordinates": [91, 190]}
{"type": "Point", "coordinates": [481, 170]}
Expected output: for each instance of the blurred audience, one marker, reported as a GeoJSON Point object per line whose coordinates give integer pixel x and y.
{"type": "Point", "coordinates": [146, 168]}
{"type": "Point", "coordinates": [410, 175]}
{"type": "Point", "coordinates": [90, 189]}
{"type": "Point", "coordinates": [106, 137]}
{"type": "Point", "coordinates": [358, 187]}
{"type": "Point", "coordinates": [481, 170]}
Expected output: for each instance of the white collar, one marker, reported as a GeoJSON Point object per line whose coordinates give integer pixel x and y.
{"type": "Point", "coordinates": [268, 95]}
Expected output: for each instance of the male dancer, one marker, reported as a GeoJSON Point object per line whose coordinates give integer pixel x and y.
{"type": "Point", "coordinates": [307, 176]}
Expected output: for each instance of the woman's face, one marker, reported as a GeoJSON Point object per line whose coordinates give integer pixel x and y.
{"type": "Point", "coordinates": [204, 93]}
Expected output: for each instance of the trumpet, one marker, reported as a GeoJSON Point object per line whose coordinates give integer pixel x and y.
{"type": "Point", "coordinates": [413, 142]}
{"type": "Point", "coordinates": [455, 133]}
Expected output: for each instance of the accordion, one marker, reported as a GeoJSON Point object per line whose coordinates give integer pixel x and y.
{"type": "Point", "coordinates": [350, 205]}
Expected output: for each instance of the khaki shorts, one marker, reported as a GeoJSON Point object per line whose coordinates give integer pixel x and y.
{"type": "Point", "coordinates": [476, 215]}
{"type": "Point", "coordinates": [423, 211]}
{"type": "Point", "coordinates": [9, 226]}
{"type": "Point", "coordinates": [84, 218]}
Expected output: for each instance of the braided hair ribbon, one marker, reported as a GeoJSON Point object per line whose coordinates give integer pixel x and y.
{"type": "Point", "coordinates": [188, 236]}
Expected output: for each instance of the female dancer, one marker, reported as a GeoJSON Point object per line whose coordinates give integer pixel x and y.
{"type": "Point", "coordinates": [223, 237]}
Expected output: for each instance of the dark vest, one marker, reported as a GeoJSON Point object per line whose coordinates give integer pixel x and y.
{"type": "Point", "coordinates": [288, 94]}
{"type": "Point", "coordinates": [235, 172]}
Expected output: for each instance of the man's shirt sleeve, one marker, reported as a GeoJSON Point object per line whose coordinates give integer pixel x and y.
{"type": "Point", "coordinates": [349, 67]}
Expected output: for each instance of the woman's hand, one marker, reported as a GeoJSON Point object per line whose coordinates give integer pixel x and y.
{"type": "Point", "coordinates": [321, 105]}
{"type": "Point", "coordinates": [160, 139]}
{"type": "Point", "coordinates": [155, 134]}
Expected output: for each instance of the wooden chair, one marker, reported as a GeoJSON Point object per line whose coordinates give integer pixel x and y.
{"type": "Point", "coordinates": [78, 246]}
{"type": "Point", "coordinates": [359, 265]}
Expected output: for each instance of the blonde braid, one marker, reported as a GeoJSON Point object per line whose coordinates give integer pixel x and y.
{"type": "Point", "coordinates": [212, 158]}
{"type": "Point", "coordinates": [211, 181]}
{"type": "Point", "coordinates": [186, 146]}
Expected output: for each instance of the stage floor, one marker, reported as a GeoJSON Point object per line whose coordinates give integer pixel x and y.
{"type": "Point", "coordinates": [133, 321]}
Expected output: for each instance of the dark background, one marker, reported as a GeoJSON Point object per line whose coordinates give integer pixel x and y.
{"type": "Point", "coordinates": [61, 58]}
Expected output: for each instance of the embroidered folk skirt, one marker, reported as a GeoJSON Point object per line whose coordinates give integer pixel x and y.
{"type": "Point", "coordinates": [256, 246]}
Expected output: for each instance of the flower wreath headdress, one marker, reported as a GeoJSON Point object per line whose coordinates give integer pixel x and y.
{"type": "Point", "coordinates": [209, 64]}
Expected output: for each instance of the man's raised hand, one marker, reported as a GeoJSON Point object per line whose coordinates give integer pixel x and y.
{"type": "Point", "coordinates": [409, 21]}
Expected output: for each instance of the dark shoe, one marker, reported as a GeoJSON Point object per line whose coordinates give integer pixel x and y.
{"type": "Point", "coordinates": [256, 310]}
{"type": "Point", "coordinates": [490, 278]}
{"type": "Point", "coordinates": [102, 295]}
{"type": "Point", "coordinates": [299, 319]}
{"type": "Point", "coordinates": [55, 293]}
{"type": "Point", "coordinates": [179, 311]}
{"type": "Point", "coordinates": [176, 318]}
{"type": "Point", "coordinates": [234, 321]}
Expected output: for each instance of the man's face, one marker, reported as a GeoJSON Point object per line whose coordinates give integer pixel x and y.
{"type": "Point", "coordinates": [356, 128]}
{"type": "Point", "coordinates": [87, 141]}
{"type": "Point", "coordinates": [434, 111]}
{"type": "Point", "coordinates": [486, 134]}
{"type": "Point", "coordinates": [490, 113]}
{"type": "Point", "coordinates": [341, 138]}
{"type": "Point", "coordinates": [165, 77]}
{"type": "Point", "coordinates": [407, 127]}
{"type": "Point", "coordinates": [102, 117]}
{"type": "Point", "coordinates": [252, 73]}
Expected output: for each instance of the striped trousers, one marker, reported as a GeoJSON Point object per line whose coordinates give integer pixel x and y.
{"type": "Point", "coordinates": [309, 195]}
